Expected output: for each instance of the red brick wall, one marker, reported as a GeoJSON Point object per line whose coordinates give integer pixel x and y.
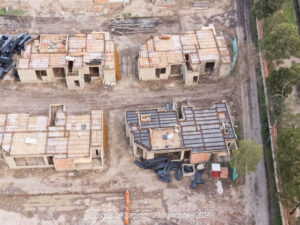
{"type": "Point", "coordinates": [199, 157]}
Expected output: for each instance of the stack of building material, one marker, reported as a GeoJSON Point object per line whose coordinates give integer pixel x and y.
{"type": "Point", "coordinates": [129, 26]}
{"type": "Point", "coordinates": [8, 46]}
{"type": "Point", "coordinates": [200, 4]}
{"type": "Point", "coordinates": [224, 172]}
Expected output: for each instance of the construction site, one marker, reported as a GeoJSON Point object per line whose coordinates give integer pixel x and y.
{"type": "Point", "coordinates": [115, 98]}
{"type": "Point", "coordinates": [65, 142]}
{"type": "Point", "coordinates": [182, 133]}
{"type": "Point", "coordinates": [193, 55]}
{"type": "Point", "coordinates": [74, 60]}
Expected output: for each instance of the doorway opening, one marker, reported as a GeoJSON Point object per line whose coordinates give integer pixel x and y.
{"type": "Point", "coordinates": [195, 79]}
{"type": "Point", "coordinates": [175, 69]}
{"type": "Point", "coordinates": [59, 72]}
{"type": "Point", "coordinates": [209, 67]}
{"type": "Point", "coordinates": [159, 71]}
{"type": "Point", "coordinates": [187, 61]}
{"type": "Point", "coordinates": [40, 73]}
{"type": "Point", "coordinates": [94, 71]}
{"type": "Point", "coordinates": [76, 82]}
{"type": "Point", "coordinates": [50, 160]}
{"type": "Point", "coordinates": [187, 154]}
{"type": "Point", "coordinates": [70, 66]}
{"type": "Point", "coordinates": [87, 78]}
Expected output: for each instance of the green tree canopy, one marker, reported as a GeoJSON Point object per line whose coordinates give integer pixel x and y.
{"type": "Point", "coordinates": [279, 84]}
{"type": "Point", "coordinates": [272, 21]}
{"type": "Point", "coordinates": [264, 8]}
{"type": "Point", "coordinates": [282, 80]}
{"type": "Point", "coordinates": [247, 156]}
{"type": "Point", "coordinates": [288, 158]}
{"type": "Point", "coordinates": [281, 43]}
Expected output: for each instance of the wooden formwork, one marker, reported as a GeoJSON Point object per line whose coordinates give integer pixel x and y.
{"type": "Point", "coordinates": [117, 64]}
{"type": "Point", "coordinates": [105, 134]}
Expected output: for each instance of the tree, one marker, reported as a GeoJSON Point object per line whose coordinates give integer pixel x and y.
{"type": "Point", "coordinates": [264, 8]}
{"type": "Point", "coordinates": [288, 119]}
{"type": "Point", "coordinates": [282, 80]}
{"type": "Point", "coordinates": [273, 20]}
{"type": "Point", "coordinates": [246, 156]}
{"type": "Point", "coordinates": [279, 84]}
{"type": "Point", "coordinates": [288, 158]}
{"type": "Point", "coordinates": [281, 43]}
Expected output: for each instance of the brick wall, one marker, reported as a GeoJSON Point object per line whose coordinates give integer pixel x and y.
{"type": "Point", "coordinates": [199, 157]}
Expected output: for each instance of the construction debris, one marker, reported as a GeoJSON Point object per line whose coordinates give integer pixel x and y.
{"type": "Point", "coordinates": [220, 189]}
{"type": "Point", "coordinates": [163, 166]}
{"type": "Point", "coordinates": [122, 26]}
{"type": "Point", "coordinates": [200, 5]}
{"type": "Point", "coordinates": [8, 46]}
{"type": "Point", "coordinates": [110, 83]}
{"type": "Point", "coordinates": [197, 179]}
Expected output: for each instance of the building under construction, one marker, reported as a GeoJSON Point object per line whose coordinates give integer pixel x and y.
{"type": "Point", "coordinates": [74, 59]}
{"type": "Point", "coordinates": [182, 132]}
{"type": "Point", "coordinates": [61, 140]}
{"type": "Point", "coordinates": [192, 55]}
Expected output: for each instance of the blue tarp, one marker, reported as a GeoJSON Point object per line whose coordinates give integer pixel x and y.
{"type": "Point", "coordinates": [235, 51]}
{"type": "Point", "coordinates": [234, 174]}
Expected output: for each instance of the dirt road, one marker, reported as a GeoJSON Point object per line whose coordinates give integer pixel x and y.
{"type": "Point", "coordinates": [129, 93]}
{"type": "Point", "coordinates": [256, 182]}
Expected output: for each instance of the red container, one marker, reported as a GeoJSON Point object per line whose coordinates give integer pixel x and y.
{"type": "Point", "coordinates": [215, 174]}
{"type": "Point", "coordinates": [215, 170]}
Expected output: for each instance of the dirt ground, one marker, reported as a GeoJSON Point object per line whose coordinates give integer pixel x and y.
{"type": "Point", "coordinates": [47, 197]}
{"type": "Point", "coordinates": [43, 196]}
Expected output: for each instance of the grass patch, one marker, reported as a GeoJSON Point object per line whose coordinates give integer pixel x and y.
{"type": "Point", "coordinates": [275, 216]}
{"type": "Point", "coordinates": [289, 11]}
{"type": "Point", "coordinates": [3, 12]}
{"type": "Point", "coordinates": [127, 15]}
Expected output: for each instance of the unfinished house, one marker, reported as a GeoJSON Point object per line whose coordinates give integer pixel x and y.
{"type": "Point", "coordinates": [74, 59]}
{"type": "Point", "coordinates": [182, 132]}
{"type": "Point", "coordinates": [192, 55]}
{"type": "Point", "coordinates": [61, 140]}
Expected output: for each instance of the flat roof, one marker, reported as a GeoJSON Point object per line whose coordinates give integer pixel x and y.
{"type": "Point", "coordinates": [60, 133]}
{"type": "Point", "coordinates": [28, 143]}
{"type": "Point", "coordinates": [162, 138]}
{"type": "Point", "coordinates": [201, 130]}
{"type": "Point", "coordinates": [202, 45]}
{"type": "Point", "coordinates": [51, 50]}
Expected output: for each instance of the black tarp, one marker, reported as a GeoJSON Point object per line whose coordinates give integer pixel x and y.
{"type": "Point", "coordinates": [8, 47]}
